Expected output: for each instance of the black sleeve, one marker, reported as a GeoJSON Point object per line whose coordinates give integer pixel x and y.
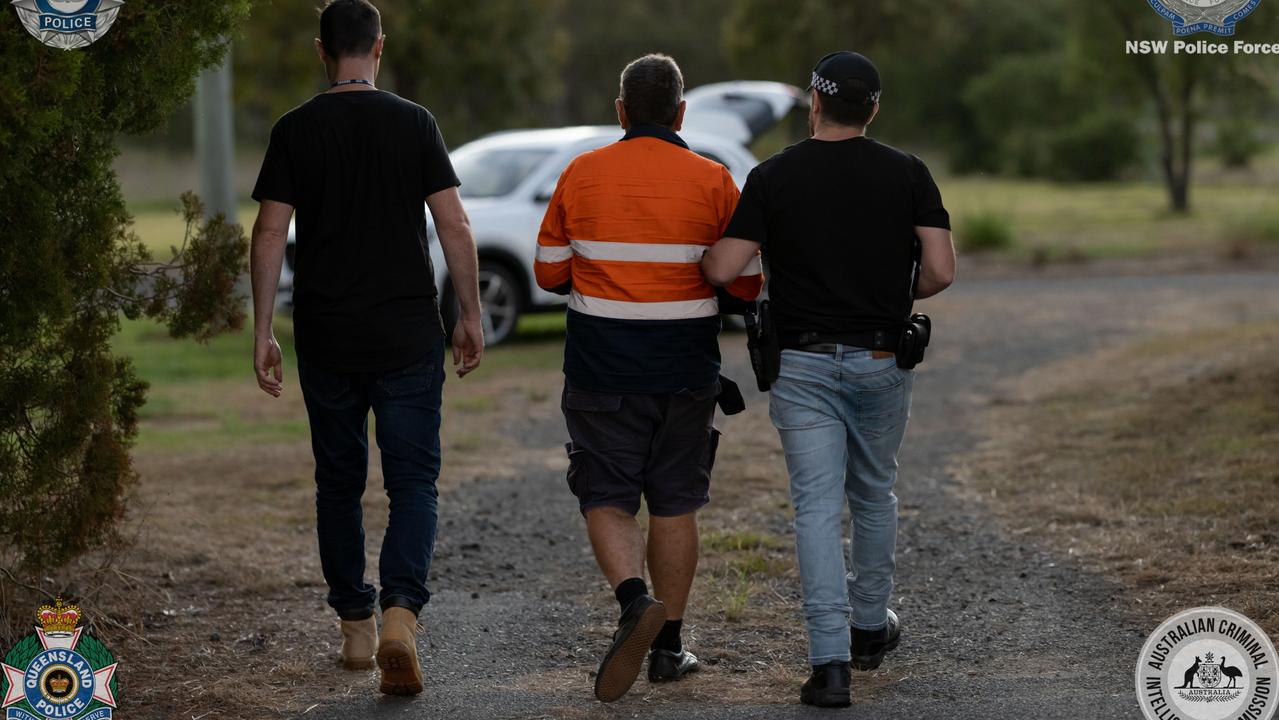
{"type": "Point", "coordinates": [437, 169]}
{"type": "Point", "coordinates": [929, 211]}
{"type": "Point", "coordinates": [749, 220]}
{"type": "Point", "coordinates": [275, 179]}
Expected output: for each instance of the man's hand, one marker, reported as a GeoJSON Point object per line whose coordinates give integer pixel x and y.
{"type": "Point", "coordinates": [268, 365]}
{"type": "Point", "coordinates": [270, 233]}
{"type": "Point", "coordinates": [468, 345]}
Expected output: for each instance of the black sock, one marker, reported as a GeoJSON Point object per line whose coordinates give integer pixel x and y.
{"type": "Point", "coordinates": [628, 590]}
{"type": "Point", "coordinates": [668, 638]}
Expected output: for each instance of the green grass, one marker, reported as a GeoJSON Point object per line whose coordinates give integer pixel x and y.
{"type": "Point", "coordinates": [163, 360]}
{"type": "Point", "coordinates": [738, 540]}
{"type": "Point", "coordinates": [188, 408]}
{"type": "Point", "coordinates": [1111, 219]}
{"type": "Point", "coordinates": [159, 223]}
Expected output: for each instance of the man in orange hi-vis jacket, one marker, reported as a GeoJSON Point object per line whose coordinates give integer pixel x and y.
{"type": "Point", "coordinates": [623, 236]}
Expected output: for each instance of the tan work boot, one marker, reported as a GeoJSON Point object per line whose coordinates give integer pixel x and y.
{"type": "Point", "coordinates": [397, 653]}
{"type": "Point", "coordinates": [359, 642]}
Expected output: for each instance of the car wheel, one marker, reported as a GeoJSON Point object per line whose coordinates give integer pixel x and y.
{"type": "Point", "coordinates": [499, 303]}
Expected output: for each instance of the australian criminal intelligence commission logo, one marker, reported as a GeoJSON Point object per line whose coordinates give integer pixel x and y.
{"type": "Point", "coordinates": [1208, 663]}
{"type": "Point", "coordinates": [60, 672]}
{"type": "Point", "coordinates": [67, 24]}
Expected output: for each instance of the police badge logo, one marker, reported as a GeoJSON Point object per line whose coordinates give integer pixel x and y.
{"type": "Point", "coordinates": [1208, 664]}
{"type": "Point", "coordinates": [60, 672]}
{"type": "Point", "coordinates": [67, 24]}
{"type": "Point", "coordinates": [1195, 16]}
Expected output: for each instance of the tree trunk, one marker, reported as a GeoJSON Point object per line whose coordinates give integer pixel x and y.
{"type": "Point", "coordinates": [1181, 187]}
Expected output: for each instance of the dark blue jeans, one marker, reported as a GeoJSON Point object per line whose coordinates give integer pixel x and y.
{"type": "Point", "coordinates": [406, 405]}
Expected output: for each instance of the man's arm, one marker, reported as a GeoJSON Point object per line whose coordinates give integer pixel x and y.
{"type": "Point", "coordinates": [454, 229]}
{"type": "Point", "coordinates": [729, 258]}
{"type": "Point", "coordinates": [553, 267]}
{"type": "Point", "coordinates": [270, 234]}
{"type": "Point", "coordinates": [937, 261]}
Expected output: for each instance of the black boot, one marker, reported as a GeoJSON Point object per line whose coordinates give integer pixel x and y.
{"type": "Point", "coordinates": [870, 646]}
{"type": "Point", "coordinates": [828, 686]}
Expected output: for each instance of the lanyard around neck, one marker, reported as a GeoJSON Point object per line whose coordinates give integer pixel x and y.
{"type": "Point", "coordinates": [352, 82]}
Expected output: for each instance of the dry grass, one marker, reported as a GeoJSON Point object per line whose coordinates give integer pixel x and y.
{"type": "Point", "coordinates": [1157, 463]}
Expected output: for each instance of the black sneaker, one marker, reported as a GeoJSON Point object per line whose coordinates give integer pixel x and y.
{"type": "Point", "coordinates": [828, 686]}
{"type": "Point", "coordinates": [639, 625]}
{"type": "Point", "coordinates": [665, 666]}
{"type": "Point", "coordinates": [870, 646]}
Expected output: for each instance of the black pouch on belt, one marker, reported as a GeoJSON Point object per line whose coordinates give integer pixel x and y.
{"type": "Point", "coordinates": [916, 332]}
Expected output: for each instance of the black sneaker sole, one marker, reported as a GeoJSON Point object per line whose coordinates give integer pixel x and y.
{"type": "Point", "coordinates": [871, 662]}
{"type": "Point", "coordinates": [621, 666]}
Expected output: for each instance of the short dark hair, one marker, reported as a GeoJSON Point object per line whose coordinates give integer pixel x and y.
{"type": "Point", "coordinates": [652, 88]}
{"type": "Point", "coordinates": [349, 28]}
{"type": "Point", "coordinates": [854, 111]}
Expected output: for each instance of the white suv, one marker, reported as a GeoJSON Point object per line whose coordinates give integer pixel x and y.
{"type": "Point", "coordinates": [508, 177]}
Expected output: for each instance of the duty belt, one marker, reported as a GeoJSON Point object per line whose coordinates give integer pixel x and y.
{"type": "Point", "coordinates": [871, 340]}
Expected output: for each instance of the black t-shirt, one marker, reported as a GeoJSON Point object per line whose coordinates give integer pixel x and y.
{"type": "Point", "coordinates": [837, 224]}
{"type": "Point", "coordinates": [357, 167]}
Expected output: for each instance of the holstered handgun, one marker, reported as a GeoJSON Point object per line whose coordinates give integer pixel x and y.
{"type": "Point", "coordinates": [765, 350]}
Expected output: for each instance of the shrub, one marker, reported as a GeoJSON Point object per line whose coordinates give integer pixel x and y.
{"type": "Point", "coordinates": [985, 232]}
{"type": "Point", "coordinates": [69, 267]}
{"type": "Point", "coordinates": [1238, 143]}
{"type": "Point", "coordinates": [1099, 146]}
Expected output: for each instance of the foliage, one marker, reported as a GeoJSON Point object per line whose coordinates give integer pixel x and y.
{"type": "Point", "coordinates": [985, 231]}
{"type": "Point", "coordinates": [1180, 89]}
{"type": "Point", "coordinates": [69, 266]}
{"type": "Point", "coordinates": [479, 66]}
{"type": "Point", "coordinates": [1097, 146]}
{"type": "Point", "coordinates": [1238, 142]}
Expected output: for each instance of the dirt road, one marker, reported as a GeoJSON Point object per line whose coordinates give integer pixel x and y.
{"type": "Point", "coordinates": [995, 627]}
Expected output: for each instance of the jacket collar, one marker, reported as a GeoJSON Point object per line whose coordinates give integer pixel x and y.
{"type": "Point", "coordinates": [655, 131]}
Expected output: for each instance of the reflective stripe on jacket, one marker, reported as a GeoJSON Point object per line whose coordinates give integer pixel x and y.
{"type": "Point", "coordinates": [626, 229]}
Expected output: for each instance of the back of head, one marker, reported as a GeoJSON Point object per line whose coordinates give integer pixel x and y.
{"type": "Point", "coordinates": [349, 28]}
{"type": "Point", "coordinates": [652, 89]}
{"type": "Point", "coordinates": [849, 85]}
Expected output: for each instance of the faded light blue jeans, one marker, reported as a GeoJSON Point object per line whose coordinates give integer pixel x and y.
{"type": "Point", "coordinates": [841, 418]}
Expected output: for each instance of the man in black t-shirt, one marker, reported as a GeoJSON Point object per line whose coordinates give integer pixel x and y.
{"type": "Point", "coordinates": [356, 164]}
{"type": "Point", "coordinates": [852, 232]}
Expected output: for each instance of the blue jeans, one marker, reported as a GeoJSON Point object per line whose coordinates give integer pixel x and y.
{"type": "Point", "coordinates": [841, 418]}
{"type": "Point", "coordinates": [406, 404]}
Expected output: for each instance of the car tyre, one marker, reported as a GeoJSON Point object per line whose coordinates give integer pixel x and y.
{"type": "Point", "coordinates": [500, 303]}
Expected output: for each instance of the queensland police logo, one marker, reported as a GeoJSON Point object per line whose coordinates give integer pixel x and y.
{"type": "Point", "coordinates": [67, 24]}
{"type": "Point", "coordinates": [60, 672]}
{"type": "Point", "coordinates": [1213, 16]}
{"type": "Point", "coordinates": [1208, 664]}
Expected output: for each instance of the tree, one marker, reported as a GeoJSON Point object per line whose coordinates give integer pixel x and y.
{"type": "Point", "coordinates": [69, 265]}
{"type": "Point", "coordinates": [478, 66]}
{"type": "Point", "coordinates": [1178, 87]}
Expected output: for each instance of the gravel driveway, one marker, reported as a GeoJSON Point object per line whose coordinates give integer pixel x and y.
{"type": "Point", "coordinates": [996, 627]}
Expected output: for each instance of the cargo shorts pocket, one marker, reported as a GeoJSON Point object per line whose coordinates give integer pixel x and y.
{"type": "Point", "coordinates": [712, 448]}
{"type": "Point", "coordinates": [577, 472]}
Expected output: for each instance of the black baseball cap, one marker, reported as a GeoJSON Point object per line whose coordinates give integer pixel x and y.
{"type": "Point", "coordinates": [834, 75]}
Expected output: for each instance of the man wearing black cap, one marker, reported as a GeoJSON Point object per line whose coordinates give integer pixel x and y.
{"type": "Point", "coordinates": [852, 232]}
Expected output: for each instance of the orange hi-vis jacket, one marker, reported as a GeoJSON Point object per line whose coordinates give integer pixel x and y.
{"type": "Point", "coordinates": [627, 226]}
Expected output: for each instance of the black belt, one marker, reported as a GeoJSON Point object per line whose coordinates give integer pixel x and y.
{"type": "Point", "coordinates": [870, 340]}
